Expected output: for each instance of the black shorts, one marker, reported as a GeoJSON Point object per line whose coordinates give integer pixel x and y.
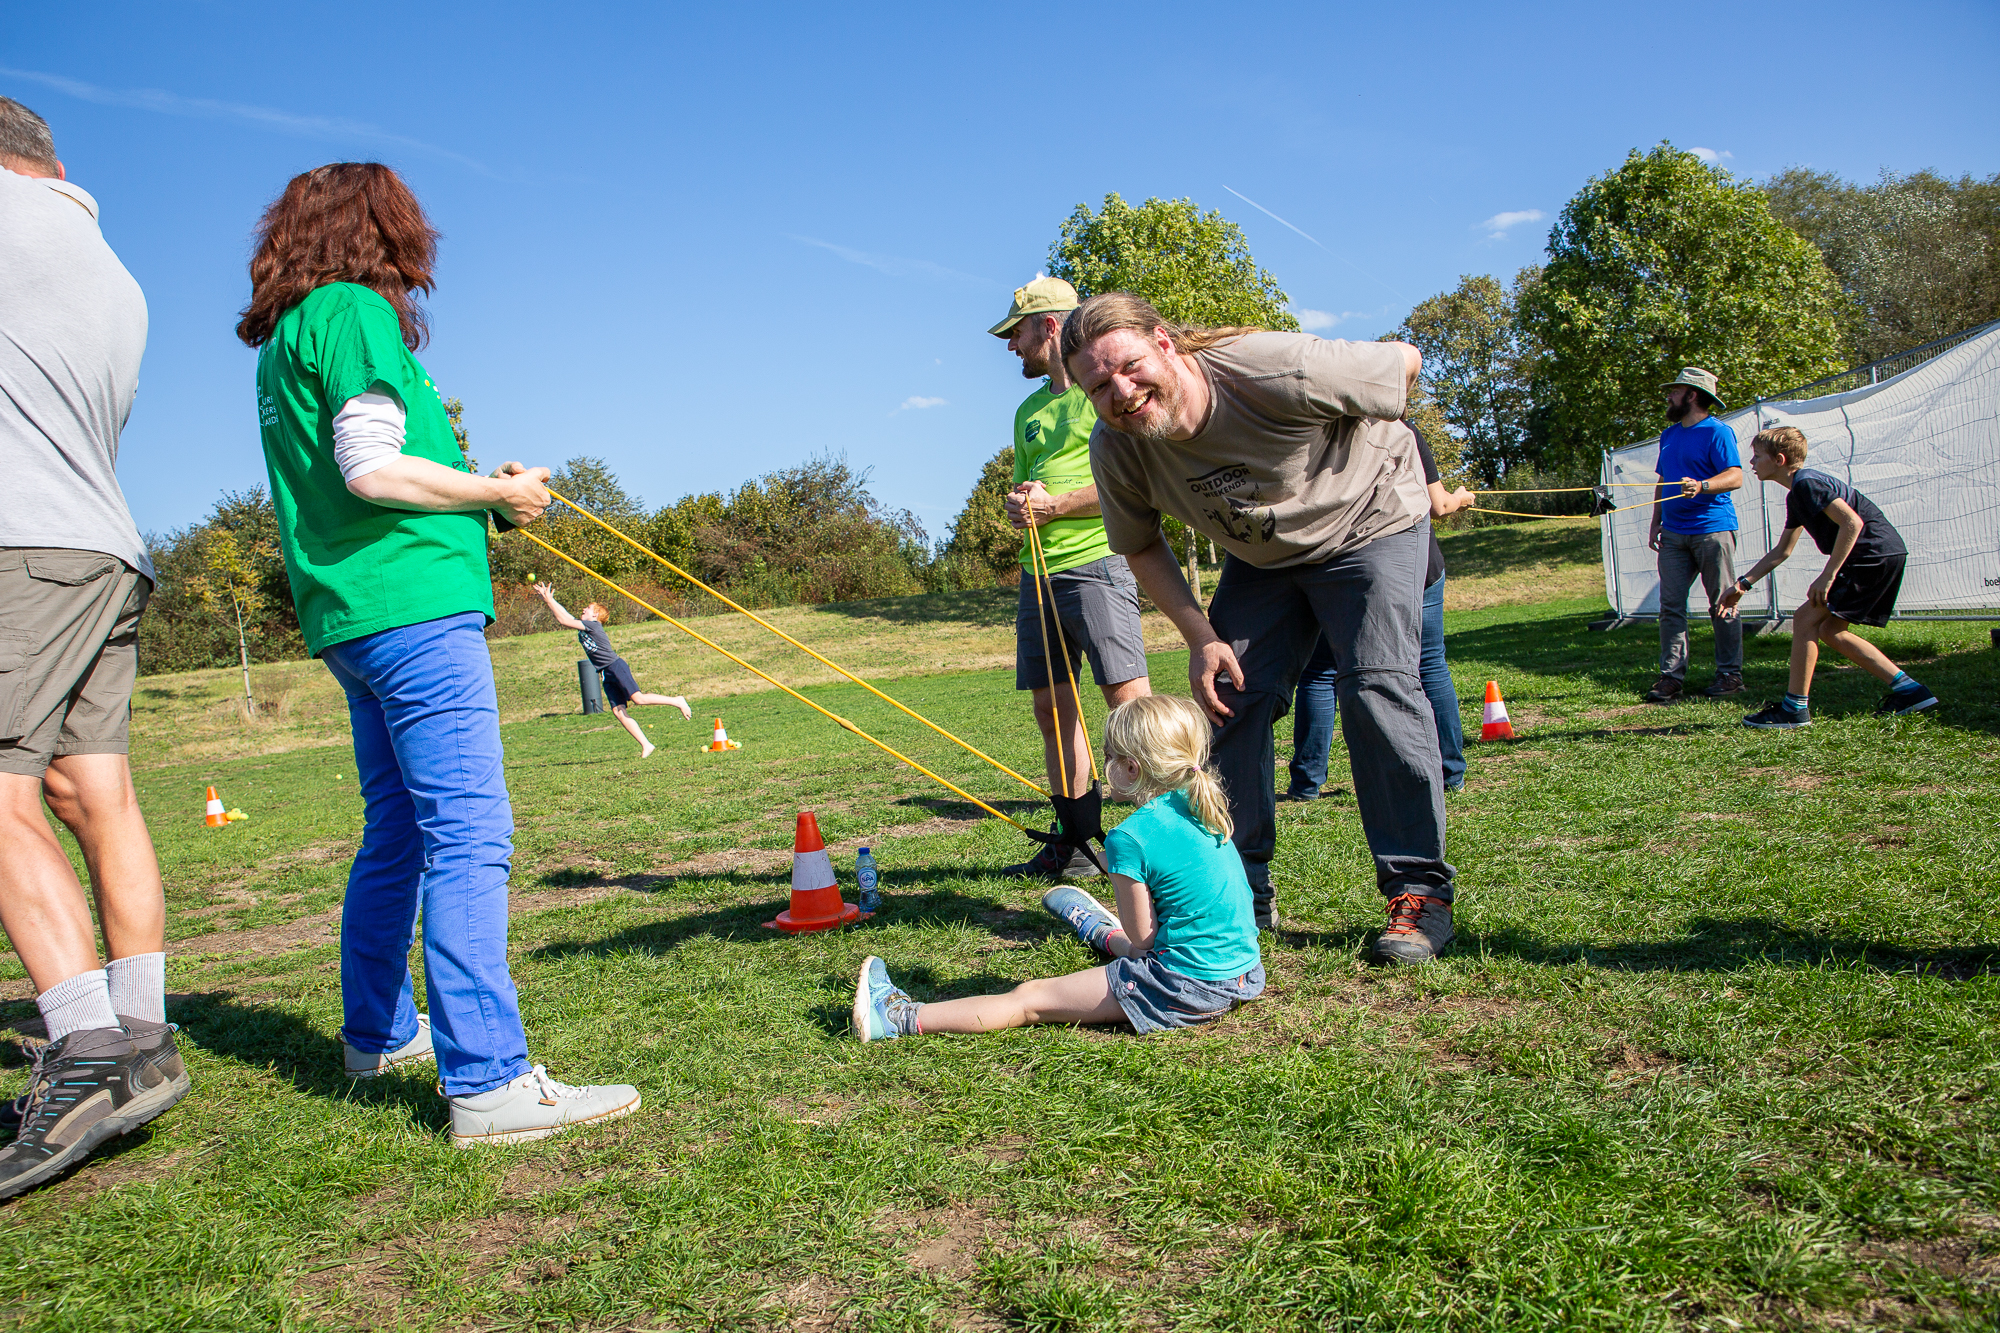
{"type": "Point", "coordinates": [618, 682]}
{"type": "Point", "coordinates": [1864, 592]}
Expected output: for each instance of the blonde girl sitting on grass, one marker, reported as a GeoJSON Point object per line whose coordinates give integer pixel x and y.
{"type": "Point", "coordinates": [1183, 945]}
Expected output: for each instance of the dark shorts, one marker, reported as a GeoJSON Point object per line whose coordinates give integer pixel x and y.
{"type": "Point", "coordinates": [1096, 607]}
{"type": "Point", "coordinates": [619, 685]}
{"type": "Point", "coordinates": [1155, 997]}
{"type": "Point", "coordinates": [69, 633]}
{"type": "Point", "coordinates": [1864, 592]}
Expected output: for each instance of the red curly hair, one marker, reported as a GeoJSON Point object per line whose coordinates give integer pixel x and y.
{"type": "Point", "coordinates": [344, 222]}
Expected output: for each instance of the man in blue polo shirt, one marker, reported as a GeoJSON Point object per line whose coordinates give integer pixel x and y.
{"type": "Point", "coordinates": [1694, 530]}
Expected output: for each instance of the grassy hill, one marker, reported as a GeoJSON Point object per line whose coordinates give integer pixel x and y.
{"type": "Point", "coordinates": [1717, 1047]}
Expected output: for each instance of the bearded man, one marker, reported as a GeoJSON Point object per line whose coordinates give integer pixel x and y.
{"type": "Point", "coordinates": [1288, 451]}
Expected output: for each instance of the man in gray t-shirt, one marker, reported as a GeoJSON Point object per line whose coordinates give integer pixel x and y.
{"type": "Point", "coordinates": [1287, 450]}
{"type": "Point", "coordinates": [74, 578]}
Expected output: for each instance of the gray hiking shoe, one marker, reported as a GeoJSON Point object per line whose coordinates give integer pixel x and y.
{"type": "Point", "coordinates": [1419, 928]}
{"type": "Point", "coordinates": [86, 1088]}
{"type": "Point", "coordinates": [367, 1064]}
{"type": "Point", "coordinates": [535, 1106]}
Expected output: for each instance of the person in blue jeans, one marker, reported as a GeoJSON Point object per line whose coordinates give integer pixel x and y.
{"type": "Point", "coordinates": [383, 528]}
{"type": "Point", "coordinates": [1315, 707]}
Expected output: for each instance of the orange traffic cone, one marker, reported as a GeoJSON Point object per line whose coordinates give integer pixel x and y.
{"type": "Point", "coordinates": [1496, 726]}
{"type": "Point", "coordinates": [216, 818]}
{"type": "Point", "coordinates": [816, 902]}
{"type": "Point", "coordinates": [720, 742]}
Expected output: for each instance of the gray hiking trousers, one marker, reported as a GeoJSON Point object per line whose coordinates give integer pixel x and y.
{"type": "Point", "coordinates": [1683, 555]}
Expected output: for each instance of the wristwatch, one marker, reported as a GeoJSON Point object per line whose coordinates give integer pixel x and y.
{"type": "Point", "coordinates": [1745, 584]}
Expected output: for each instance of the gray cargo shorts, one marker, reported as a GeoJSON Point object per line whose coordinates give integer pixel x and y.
{"type": "Point", "coordinates": [1097, 608]}
{"type": "Point", "coordinates": [69, 633]}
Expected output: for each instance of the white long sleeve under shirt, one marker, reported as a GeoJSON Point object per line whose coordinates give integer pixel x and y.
{"type": "Point", "coordinates": [367, 434]}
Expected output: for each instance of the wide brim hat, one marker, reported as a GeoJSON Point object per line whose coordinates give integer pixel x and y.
{"type": "Point", "coordinates": [1043, 296]}
{"type": "Point", "coordinates": [1697, 378]}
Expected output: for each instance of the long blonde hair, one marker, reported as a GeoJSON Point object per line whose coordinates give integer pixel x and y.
{"type": "Point", "coordinates": [1108, 312]}
{"type": "Point", "coordinates": [1168, 738]}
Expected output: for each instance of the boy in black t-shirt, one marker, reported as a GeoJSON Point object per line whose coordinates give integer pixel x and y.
{"type": "Point", "coordinates": [1864, 572]}
{"type": "Point", "coordinates": [613, 670]}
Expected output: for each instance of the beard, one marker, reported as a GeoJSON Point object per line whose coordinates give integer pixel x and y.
{"type": "Point", "coordinates": [1034, 363]}
{"type": "Point", "coordinates": [1168, 398]}
{"type": "Point", "coordinates": [1675, 411]}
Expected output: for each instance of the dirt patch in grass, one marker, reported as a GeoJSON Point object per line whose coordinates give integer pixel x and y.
{"type": "Point", "coordinates": [950, 1238]}
{"type": "Point", "coordinates": [1888, 837]}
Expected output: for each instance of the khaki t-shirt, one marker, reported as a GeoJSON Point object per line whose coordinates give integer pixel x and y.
{"type": "Point", "coordinates": [1302, 456]}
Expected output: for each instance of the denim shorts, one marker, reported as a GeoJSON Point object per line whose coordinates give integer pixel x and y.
{"type": "Point", "coordinates": [1155, 997]}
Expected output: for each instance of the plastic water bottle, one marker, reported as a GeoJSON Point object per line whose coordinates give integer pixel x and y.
{"type": "Point", "coordinates": [865, 876]}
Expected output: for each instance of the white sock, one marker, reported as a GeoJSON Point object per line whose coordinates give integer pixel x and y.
{"type": "Point", "coordinates": [82, 1002]}
{"type": "Point", "coordinates": [139, 986]}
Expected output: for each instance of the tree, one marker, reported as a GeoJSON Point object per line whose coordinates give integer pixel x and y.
{"type": "Point", "coordinates": [1476, 367]}
{"type": "Point", "coordinates": [1194, 267]}
{"type": "Point", "coordinates": [1916, 255]}
{"type": "Point", "coordinates": [984, 546]}
{"type": "Point", "coordinates": [592, 484]}
{"type": "Point", "coordinates": [231, 577]}
{"type": "Point", "coordinates": [1664, 263]}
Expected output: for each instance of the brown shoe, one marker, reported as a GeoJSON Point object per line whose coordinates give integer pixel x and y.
{"type": "Point", "coordinates": [89, 1087]}
{"type": "Point", "coordinates": [1665, 691]}
{"type": "Point", "coordinates": [1419, 927]}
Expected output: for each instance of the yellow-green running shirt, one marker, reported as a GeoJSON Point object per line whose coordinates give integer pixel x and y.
{"type": "Point", "coordinates": [1052, 446]}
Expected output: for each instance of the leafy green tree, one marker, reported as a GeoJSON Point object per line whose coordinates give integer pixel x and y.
{"type": "Point", "coordinates": [1476, 367]}
{"type": "Point", "coordinates": [984, 547]}
{"type": "Point", "coordinates": [1917, 256]}
{"type": "Point", "coordinates": [1194, 267]}
{"type": "Point", "coordinates": [190, 620]}
{"type": "Point", "coordinates": [1663, 263]}
{"type": "Point", "coordinates": [592, 484]}
{"type": "Point", "coordinates": [231, 579]}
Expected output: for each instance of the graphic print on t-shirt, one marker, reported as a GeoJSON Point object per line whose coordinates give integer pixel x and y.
{"type": "Point", "coordinates": [1238, 515]}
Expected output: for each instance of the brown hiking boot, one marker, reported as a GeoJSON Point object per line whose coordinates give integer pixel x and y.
{"type": "Point", "coordinates": [1726, 683]}
{"type": "Point", "coordinates": [1419, 927]}
{"type": "Point", "coordinates": [1665, 691]}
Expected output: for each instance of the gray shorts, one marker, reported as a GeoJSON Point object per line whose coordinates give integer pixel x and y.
{"type": "Point", "coordinates": [1097, 607]}
{"type": "Point", "coordinates": [1155, 997]}
{"type": "Point", "coordinates": [69, 633]}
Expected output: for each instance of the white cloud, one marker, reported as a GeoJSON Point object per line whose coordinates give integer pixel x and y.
{"type": "Point", "coordinates": [1710, 155]}
{"type": "Point", "coordinates": [1314, 320]}
{"type": "Point", "coordinates": [1499, 224]}
{"type": "Point", "coordinates": [916, 404]}
{"type": "Point", "coordinates": [285, 122]}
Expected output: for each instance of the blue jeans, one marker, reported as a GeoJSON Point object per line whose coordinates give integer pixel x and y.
{"type": "Point", "coordinates": [1316, 709]}
{"type": "Point", "coordinates": [438, 832]}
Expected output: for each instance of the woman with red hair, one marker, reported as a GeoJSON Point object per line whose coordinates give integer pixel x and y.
{"type": "Point", "coordinates": [384, 533]}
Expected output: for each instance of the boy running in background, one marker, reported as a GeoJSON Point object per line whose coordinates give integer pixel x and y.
{"type": "Point", "coordinates": [1184, 943]}
{"type": "Point", "coordinates": [1863, 573]}
{"type": "Point", "coordinates": [614, 670]}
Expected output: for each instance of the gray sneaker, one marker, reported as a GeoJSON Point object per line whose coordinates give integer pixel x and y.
{"type": "Point", "coordinates": [88, 1087]}
{"type": "Point", "coordinates": [1419, 928]}
{"type": "Point", "coordinates": [535, 1106]}
{"type": "Point", "coordinates": [367, 1064]}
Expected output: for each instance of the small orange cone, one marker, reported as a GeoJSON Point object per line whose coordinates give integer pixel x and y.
{"type": "Point", "coordinates": [720, 742]}
{"type": "Point", "coordinates": [1496, 726]}
{"type": "Point", "coordinates": [816, 902]}
{"type": "Point", "coordinates": [216, 818]}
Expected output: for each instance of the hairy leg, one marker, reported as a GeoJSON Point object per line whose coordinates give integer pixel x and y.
{"type": "Point", "coordinates": [92, 795]}
{"type": "Point", "coordinates": [1125, 691]}
{"type": "Point", "coordinates": [1080, 997]}
{"type": "Point", "coordinates": [42, 905]}
{"type": "Point", "coordinates": [1074, 759]}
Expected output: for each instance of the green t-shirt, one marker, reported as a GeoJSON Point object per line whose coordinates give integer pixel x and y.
{"type": "Point", "coordinates": [1052, 446]}
{"type": "Point", "coordinates": [1206, 927]}
{"type": "Point", "coordinates": [358, 567]}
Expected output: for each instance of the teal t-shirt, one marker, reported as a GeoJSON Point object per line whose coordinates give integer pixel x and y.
{"type": "Point", "coordinates": [1052, 446]}
{"type": "Point", "coordinates": [1201, 898]}
{"type": "Point", "coordinates": [357, 567]}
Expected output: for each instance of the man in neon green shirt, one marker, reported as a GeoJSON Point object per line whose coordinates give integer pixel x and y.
{"type": "Point", "coordinates": [1089, 594]}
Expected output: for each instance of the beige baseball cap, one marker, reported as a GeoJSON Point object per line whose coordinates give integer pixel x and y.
{"type": "Point", "coordinates": [1043, 296]}
{"type": "Point", "coordinates": [1696, 377]}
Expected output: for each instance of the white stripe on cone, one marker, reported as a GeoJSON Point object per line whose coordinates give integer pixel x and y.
{"type": "Point", "coordinates": [812, 870]}
{"type": "Point", "coordinates": [214, 808]}
{"type": "Point", "coordinates": [1496, 712]}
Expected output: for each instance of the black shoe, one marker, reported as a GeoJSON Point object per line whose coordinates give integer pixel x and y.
{"type": "Point", "coordinates": [1897, 702]}
{"type": "Point", "coordinates": [1056, 860]}
{"type": "Point", "coordinates": [1419, 928]}
{"type": "Point", "coordinates": [1665, 691]}
{"type": "Point", "coordinates": [1725, 684]}
{"type": "Point", "coordinates": [87, 1088]}
{"type": "Point", "coordinates": [1777, 717]}
{"type": "Point", "coordinates": [1312, 795]}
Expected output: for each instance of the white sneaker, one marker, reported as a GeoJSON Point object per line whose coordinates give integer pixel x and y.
{"type": "Point", "coordinates": [535, 1106]}
{"type": "Point", "coordinates": [367, 1064]}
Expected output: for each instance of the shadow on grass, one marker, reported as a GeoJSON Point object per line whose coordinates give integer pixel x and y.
{"type": "Point", "coordinates": [981, 606]}
{"type": "Point", "coordinates": [274, 1038]}
{"type": "Point", "coordinates": [744, 923]}
{"type": "Point", "coordinates": [1728, 944]}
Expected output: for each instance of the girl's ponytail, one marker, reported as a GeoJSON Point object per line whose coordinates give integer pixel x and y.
{"type": "Point", "coordinates": [1168, 739]}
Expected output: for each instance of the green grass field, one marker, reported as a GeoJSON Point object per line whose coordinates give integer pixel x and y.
{"type": "Point", "coordinates": [1716, 1048]}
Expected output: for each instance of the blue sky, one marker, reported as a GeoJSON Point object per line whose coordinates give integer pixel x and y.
{"type": "Point", "coordinates": [704, 242]}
